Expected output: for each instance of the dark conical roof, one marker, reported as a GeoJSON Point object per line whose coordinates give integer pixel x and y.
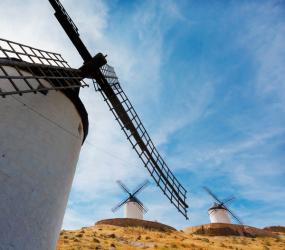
{"type": "Point", "coordinates": [217, 206]}
{"type": "Point", "coordinates": [132, 199]}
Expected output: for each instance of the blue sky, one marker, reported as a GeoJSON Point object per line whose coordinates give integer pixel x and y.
{"type": "Point", "coordinates": [208, 80]}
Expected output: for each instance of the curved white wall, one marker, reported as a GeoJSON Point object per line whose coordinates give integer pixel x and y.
{"type": "Point", "coordinates": [39, 148]}
{"type": "Point", "coordinates": [131, 210]}
{"type": "Point", "coordinates": [219, 216]}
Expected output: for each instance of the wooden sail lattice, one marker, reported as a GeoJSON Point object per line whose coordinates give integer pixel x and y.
{"type": "Point", "coordinates": [137, 135]}
{"type": "Point", "coordinates": [30, 67]}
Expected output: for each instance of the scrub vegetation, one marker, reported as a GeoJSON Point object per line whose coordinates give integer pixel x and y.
{"type": "Point", "coordinates": [126, 238]}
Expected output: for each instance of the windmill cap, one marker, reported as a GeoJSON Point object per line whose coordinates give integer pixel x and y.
{"type": "Point", "coordinates": [88, 67]}
{"type": "Point", "coordinates": [132, 199]}
{"type": "Point", "coordinates": [216, 206]}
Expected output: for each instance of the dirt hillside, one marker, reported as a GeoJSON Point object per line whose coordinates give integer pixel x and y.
{"type": "Point", "coordinates": [111, 237]}
{"type": "Point", "coordinates": [276, 229]}
{"type": "Point", "coordinates": [223, 229]}
{"type": "Point", "coordinates": [128, 222]}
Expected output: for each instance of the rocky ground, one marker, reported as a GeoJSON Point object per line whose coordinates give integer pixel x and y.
{"type": "Point", "coordinates": [112, 237]}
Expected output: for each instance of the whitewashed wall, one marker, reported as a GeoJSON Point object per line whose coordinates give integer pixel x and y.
{"type": "Point", "coordinates": [131, 210]}
{"type": "Point", "coordinates": [219, 216]}
{"type": "Point", "coordinates": [39, 148]}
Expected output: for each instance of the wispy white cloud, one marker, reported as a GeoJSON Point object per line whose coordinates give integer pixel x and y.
{"type": "Point", "coordinates": [264, 39]}
{"type": "Point", "coordinates": [223, 153]}
{"type": "Point", "coordinates": [184, 111]}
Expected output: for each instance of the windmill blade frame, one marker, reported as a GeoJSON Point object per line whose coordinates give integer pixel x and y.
{"type": "Point", "coordinates": [212, 194]}
{"type": "Point", "coordinates": [234, 216]}
{"type": "Point", "coordinates": [227, 200]}
{"type": "Point", "coordinates": [139, 205]}
{"type": "Point", "coordinates": [14, 51]}
{"type": "Point", "coordinates": [124, 113]}
{"type": "Point", "coordinates": [141, 187]}
{"type": "Point", "coordinates": [144, 208]}
{"type": "Point", "coordinates": [123, 187]}
{"type": "Point", "coordinates": [212, 210]}
{"type": "Point", "coordinates": [115, 208]}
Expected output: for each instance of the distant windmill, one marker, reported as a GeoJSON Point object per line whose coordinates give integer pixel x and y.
{"type": "Point", "coordinates": [134, 208]}
{"type": "Point", "coordinates": [219, 212]}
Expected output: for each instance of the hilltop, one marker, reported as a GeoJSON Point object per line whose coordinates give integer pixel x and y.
{"type": "Point", "coordinates": [111, 237]}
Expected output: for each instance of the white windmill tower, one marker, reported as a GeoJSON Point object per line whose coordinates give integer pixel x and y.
{"type": "Point", "coordinates": [219, 212]}
{"type": "Point", "coordinates": [133, 208]}
{"type": "Point", "coordinates": [41, 133]}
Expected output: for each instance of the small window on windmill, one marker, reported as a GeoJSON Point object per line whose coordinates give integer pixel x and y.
{"type": "Point", "coordinates": [80, 129]}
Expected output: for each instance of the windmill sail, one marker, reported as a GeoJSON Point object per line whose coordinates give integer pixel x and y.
{"type": "Point", "coordinates": [137, 135]}
{"type": "Point", "coordinates": [115, 208]}
{"type": "Point", "coordinates": [18, 61]}
{"type": "Point", "coordinates": [123, 186]}
{"type": "Point", "coordinates": [213, 195]}
{"type": "Point", "coordinates": [234, 216]}
{"type": "Point", "coordinates": [141, 205]}
{"type": "Point", "coordinates": [141, 187]}
{"type": "Point", "coordinates": [108, 85]}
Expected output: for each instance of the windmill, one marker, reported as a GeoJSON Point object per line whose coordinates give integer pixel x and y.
{"type": "Point", "coordinates": [219, 212]}
{"type": "Point", "coordinates": [134, 208]}
{"type": "Point", "coordinates": [43, 125]}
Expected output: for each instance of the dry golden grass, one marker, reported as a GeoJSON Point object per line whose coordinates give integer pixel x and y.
{"type": "Point", "coordinates": [119, 238]}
